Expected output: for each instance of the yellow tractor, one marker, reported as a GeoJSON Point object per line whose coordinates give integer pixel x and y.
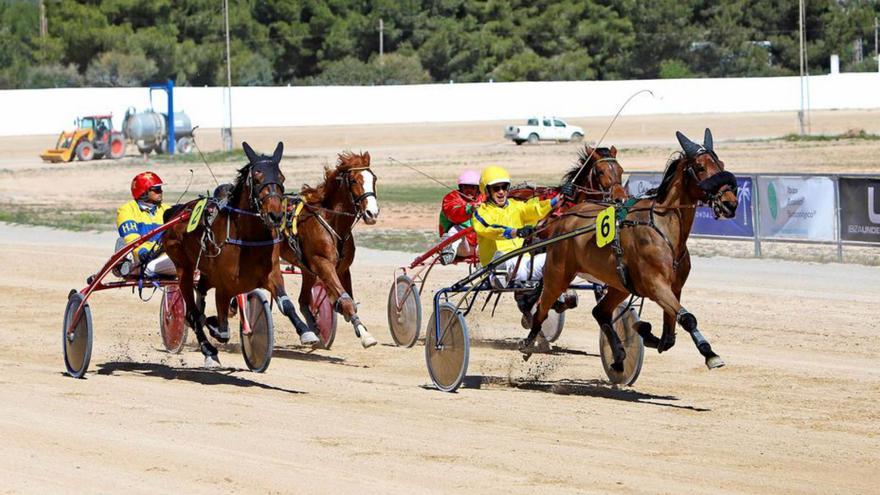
{"type": "Point", "coordinates": [93, 138]}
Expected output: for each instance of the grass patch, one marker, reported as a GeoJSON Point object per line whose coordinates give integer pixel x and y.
{"type": "Point", "coordinates": [79, 220]}
{"type": "Point", "coordinates": [850, 134]}
{"type": "Point", "coordinates": [236, 155]}
{"type": "Point", "coordinates": [410, 241]}
{"type": "Point", "coordinates": [412, 194]}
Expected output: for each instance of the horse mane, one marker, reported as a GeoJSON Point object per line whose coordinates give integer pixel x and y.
{"type": "Point", "coordinates": [345, 161]}
{"type": "Point", "coordinates": [671, 167]}
{"type": "Point", "coordinates": [240, 181]}
{"type": "Point", "coordinates": [582, 161]}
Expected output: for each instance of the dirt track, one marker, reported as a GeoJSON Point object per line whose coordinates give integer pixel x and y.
{"type": "Point", "coordinates": [795, 410]}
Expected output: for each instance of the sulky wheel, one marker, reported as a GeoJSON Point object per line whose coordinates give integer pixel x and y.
{"type": "Point", "coordinates": [323, 315]}
{"type": "Point", "coordinates": [172, 320]}
{"type": "Point", "coordinates": [632, 343]}
{"type": "Point", "coordinates": [447, 362]}
{"type": "Point", "coordinates": [257, 333]}
{"type": "Point", "coordinates": [404, 311]}
{"type": "Point", "coordinates": [77, 344]}
{"type": "Point", "coordinates": [552, 326]}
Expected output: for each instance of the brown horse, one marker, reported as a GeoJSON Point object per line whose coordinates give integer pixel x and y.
{"type": "Point", "coordinates": [239, 250]}
{"type": "Point", "coordinates": [649, 255]}
{"type": "Point", "coordinates": [596, 175]}
{"type": "Point", "coordinates": [324, 247]}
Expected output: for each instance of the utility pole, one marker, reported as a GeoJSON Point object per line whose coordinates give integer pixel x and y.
{"type": "Point", "coordinates": [801, 36]}
{"type": "Point", "coordinates": [876, 47]}
{"type": "Point", "coordinates": [382, 51]}
{"type": "Point", "coordinates": [226, 132]}
{"type": "Point", "coordinates": [44, 23]}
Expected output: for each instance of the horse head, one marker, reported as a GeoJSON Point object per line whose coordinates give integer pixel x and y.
{"type": "Point", "coordinates": [707, 180]}
{"type": "Point", "coordinates": [261, 185]}
{"type": "Point", "coordinates": [356, 175]}
{"type": "Point", "coordinates": [597, 172]}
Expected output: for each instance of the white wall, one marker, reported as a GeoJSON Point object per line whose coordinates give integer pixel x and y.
{"type": "Point", "coordinates": [48, 111]}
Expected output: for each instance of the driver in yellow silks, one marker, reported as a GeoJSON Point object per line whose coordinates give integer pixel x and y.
{"type": "Point", "coordinates": [502, 224]}
{"type": "Point", "coordinates": [138, 217]}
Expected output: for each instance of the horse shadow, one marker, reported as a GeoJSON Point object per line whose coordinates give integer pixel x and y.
{"type": "Point", "coordinates": [218, 376]}
{"type": "Point", "coordinates": [587, 388]}
{"type": "Point", "coordinates": [307, 354]}
{"type": "Point", "coordinates": [513, 345]}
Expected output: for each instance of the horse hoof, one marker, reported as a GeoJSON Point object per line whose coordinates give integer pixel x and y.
{"type": "Point", "coordinates": [367, 340]}
{"type": "Point", "coordinates": [714, 362]}
{"type": "Point", "coordinates": [211, 362]}
{"type": "Point", "coordinates": [618, 367]}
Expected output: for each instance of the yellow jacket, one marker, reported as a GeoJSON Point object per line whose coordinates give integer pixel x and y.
{"type": "Point", "coordinates": [135, 219]}
{"type": "Point", "coordinates": [495, 224]}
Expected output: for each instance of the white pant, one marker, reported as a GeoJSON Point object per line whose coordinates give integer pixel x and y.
{"type": "Point", "coordinates": [162, 265]}
{"type": "Point", "coordinates": [530, 267]}
{"type": "Point", "coordinates": [461, 247]}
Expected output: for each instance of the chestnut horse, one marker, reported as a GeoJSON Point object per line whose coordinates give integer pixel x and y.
{"type": "Point", "coordinates": [237, 253]}
{"type": "Point", "coordinates": [324, 247]}
{"type": "Point", "coordinates": [596, 174]}
{"type": "Point", "coordinates": [648, 256]}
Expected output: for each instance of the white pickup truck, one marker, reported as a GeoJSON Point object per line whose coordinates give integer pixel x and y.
{"type": "Point", "coordinates": [543, 129]}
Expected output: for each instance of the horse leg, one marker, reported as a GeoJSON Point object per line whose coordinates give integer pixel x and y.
{"type": "Point", "coordinates": [342, 301]}
{"type": "Point", "coordinates": [603, 312]}
{"type": "Point", "coordinates": [554, 284]}
{"type": "Point", "coordinates": [305, 299]}
{"type": "Point", "coordinates": [276, 287]}
{"type": "Point", "coordinates": [195, 317]}
{"type": "Point", "coordinates": [667, 340]}
{"type": "Point", "coordinates": [666, 298]}
{"type": "Point", "coordinates": [345, 279]}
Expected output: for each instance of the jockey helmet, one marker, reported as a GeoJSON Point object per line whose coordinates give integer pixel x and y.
{"type": "Point", "coordinates": [493, 174]}
{"type": "Point", "coordinates": [142, 183]}
{"type": "Point", "coordinates": [469, 178]}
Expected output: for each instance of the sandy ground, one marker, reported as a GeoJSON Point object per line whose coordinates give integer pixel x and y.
{"type": "Point", "coordinates": [793, 412]}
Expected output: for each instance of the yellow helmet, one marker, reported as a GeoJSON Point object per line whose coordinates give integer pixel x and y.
{"type": "Point", "coordinates": [493, 174]}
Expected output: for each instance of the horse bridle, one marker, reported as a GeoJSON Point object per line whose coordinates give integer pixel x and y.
{"type": "Point", "coordinates": [593, 176]}
{"type": "Point", "coordinates": [346, 179]}
{"type": "Point", "coordinates": [714, 186]}
{"type": "Point", "coordinates": [271, 177]}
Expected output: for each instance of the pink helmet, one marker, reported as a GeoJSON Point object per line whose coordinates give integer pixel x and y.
{"type": "Point", "coordinates": [469, 178]}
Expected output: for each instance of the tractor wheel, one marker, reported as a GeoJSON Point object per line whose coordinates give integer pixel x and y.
{"type": "Point", "coordinates": [85, 151]}
{"type": "Point", "coordinates": [117, 147]}
{"type": "Point", "coordinates": [184, 145]}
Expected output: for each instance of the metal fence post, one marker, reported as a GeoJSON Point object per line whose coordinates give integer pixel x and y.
{"type": "Point", "coordinates": [836, 179]}
{"type": "Point", "coordinates": [756, 224]}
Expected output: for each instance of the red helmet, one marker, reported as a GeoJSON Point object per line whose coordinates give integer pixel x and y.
{"type": "Point", "coordinates": [142, 183]}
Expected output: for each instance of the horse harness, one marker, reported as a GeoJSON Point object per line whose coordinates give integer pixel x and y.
{"type": "Point", "coordinates": [295, 204]}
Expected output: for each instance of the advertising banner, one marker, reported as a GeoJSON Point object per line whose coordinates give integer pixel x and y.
{"type": "Point", "coordinates": [741, 225]}
{"type": "Point", "coordinates": [797, 208]}
{"type": "Point", "coordinates": [860, 209]}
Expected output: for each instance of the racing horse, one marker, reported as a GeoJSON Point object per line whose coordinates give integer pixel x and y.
{"type": "Point", "coordinates": [648, 255]}
{"type": "Point", "coordinates": [323, 247]}
{"type": "Point", "coordinates": [596, 175]}
{"type": "Point", "coordinates": [236, 252]}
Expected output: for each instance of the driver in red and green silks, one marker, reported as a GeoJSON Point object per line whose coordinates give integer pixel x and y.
{"type": "Point", "coordinates": [455, 216]}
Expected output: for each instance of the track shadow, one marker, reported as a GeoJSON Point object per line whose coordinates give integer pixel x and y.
{"type": "Point", "coordinates": [304, 354]}
{"type": "Point", "coordinates": [513, 345]}
{"type": "Point", "coordinates": [220, 376]}
{"type": "Point", "coordinates": [588, 388]}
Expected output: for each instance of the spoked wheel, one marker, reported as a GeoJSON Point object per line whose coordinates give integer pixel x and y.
{"type": "Point", "coordinates": [632, 343]}
{"type": "Point", "coordinates": [404, 311]}
{"type": "Point", "coordinates": [323, 315]}
{"type": "Point", "coordinates": [172, 320]}
{"type": "Point", "coordinates": [257, 332]}
{"type": "Point", "coordinates": [77, 345]}
{"type": "Point", "coordinates": [552, 326]}
{"type": "Point", "coordinates": [447, 357]}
